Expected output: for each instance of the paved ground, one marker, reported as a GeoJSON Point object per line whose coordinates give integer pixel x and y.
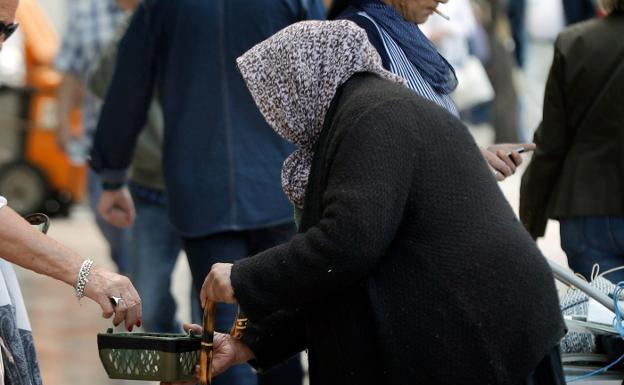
{"type": "Point", "coordinates": [65, 331]}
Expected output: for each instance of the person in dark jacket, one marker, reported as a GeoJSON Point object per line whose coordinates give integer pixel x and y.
{"type": "Point", "coordinates": [154, 243]}
{"type": "Point", "coordinates": [577, 174]}
{"type": "Point", "coordinates": [409, 266]}
{"type": "Point", "coordinates": [221, 161]}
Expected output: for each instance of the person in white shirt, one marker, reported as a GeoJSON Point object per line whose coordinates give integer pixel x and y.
{"type": "Point", "coordinates": [451, 37]}
{"type": "Point", "coordinates": [23, 245]}
{"type": "Point", "coordinates": [544, 20]}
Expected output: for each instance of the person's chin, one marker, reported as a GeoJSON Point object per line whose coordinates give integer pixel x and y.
{"type": "Point", "coordinates": [420, 19]}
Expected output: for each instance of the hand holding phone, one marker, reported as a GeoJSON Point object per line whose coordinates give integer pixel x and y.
{"type": "Point", "coordinates": [519, 150]}
{"type": "Point", "coordinates": [504, 158]}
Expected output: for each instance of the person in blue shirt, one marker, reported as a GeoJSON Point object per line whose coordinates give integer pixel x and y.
{"type": "Point", "coordinates": [221, 161]}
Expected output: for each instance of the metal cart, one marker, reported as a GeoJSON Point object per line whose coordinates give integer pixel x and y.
{"type": "Point", "coordinates": [576, 365]}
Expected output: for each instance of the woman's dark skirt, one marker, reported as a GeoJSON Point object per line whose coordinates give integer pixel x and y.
{"type": "Point", "coordinates": [548, 372]}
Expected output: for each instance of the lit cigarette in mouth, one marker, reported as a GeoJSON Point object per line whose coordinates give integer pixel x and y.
{"type": "Point", "coordinates": [441, 14]}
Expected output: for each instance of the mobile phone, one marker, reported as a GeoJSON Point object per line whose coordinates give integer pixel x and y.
{"type": "Point", "coordinates": [519, 150]}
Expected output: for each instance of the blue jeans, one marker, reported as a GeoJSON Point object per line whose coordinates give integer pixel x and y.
{"type": "Point", "coordinates": [118, 239]}
{"type": "Point", "coordinates": [594, 239]}
{"type": "Point", "coordinates": [155, 248]}
{"type": "Point", "coordinates": [228, 247]}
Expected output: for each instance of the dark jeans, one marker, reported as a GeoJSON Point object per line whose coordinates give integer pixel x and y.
{"type": "Point", "coordinates": [548, 372]}
{"type": "Point", "coordinates": [589, 240]}
{"type": "Point", "coordinates": [228, 247]}
{"type": "Point", "coordinates": [155, 247]}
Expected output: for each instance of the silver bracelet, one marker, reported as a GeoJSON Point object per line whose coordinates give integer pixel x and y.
{"type": "Point", "coordinates": [83, 275]}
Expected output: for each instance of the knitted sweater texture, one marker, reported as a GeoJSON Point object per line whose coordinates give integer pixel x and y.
{"type": "Point", "coordinates": [410, 265]}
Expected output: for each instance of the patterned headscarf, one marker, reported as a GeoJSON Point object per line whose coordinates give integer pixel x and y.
{"type": "Point", "coordinates": [293, 77]}
{"type": "Point", "coordinates": [419, 50]}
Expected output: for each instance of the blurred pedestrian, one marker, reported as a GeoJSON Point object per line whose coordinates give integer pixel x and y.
{"type": "Point", "coordinates": [407, 263]}
{"type": "Point", "coordinates": [454, 42]}
{"type": "Point", "coordinates": [452, 39]}
{"type": "Point", "coordinates": [155, 244]}
{"type": "Point", "coordinates": [577, 174]}
{"type": "Point", "coordinates": [545, 20]}
{"type": "Point", "coordinates": [221, 161]}
{"type": "Point", "coordinates": [501, 66]}
{"type": "Point", "coordinates": [392, 28]}
{"type": "Point", "coordinates": [516, 14]}
{"type": "Point", "coordinates": [91, 25]}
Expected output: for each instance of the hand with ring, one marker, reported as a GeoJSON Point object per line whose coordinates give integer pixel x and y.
{"type": "Point", "coordinates": [116, 296]}
{"type": "Point", "coordinates": [115, 301]}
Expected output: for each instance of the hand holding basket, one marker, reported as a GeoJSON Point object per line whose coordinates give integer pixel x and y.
{"type": "Point", "coordinates": [164, 357]}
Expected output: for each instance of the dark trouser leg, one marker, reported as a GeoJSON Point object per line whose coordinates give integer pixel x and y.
{"type": "Point", "coordinates": [290, 372]}
{"type": "Point", "coordinates": [155, 249]}
{"type": "Point", "coordinates": [202, 253]}
{"type": "Point", "coordinates": [594, 239]}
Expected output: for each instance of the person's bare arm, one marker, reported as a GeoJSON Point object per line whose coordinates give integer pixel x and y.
{"type": "Point", "coordinates": [22, 245]}
{"type": "Point", "coordinates": [26, 247]}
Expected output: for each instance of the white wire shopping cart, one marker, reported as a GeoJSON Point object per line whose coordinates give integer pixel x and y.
{"type": "Point", "coordinates": [577, 365]}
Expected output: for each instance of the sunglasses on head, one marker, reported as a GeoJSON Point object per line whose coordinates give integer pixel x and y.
{"type": "Point", "coordinates": [8, 29]}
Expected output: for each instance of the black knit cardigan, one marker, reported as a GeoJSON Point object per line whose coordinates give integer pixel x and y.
{"type": "Point", "coordinates": [410, 266]}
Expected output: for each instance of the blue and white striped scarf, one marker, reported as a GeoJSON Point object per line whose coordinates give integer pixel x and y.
{"type": "Point", "coordinates": [419, 50]}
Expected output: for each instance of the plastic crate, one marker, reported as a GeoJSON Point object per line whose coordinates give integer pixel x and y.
{"type": "Point", "coordinates": [149, 356]}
